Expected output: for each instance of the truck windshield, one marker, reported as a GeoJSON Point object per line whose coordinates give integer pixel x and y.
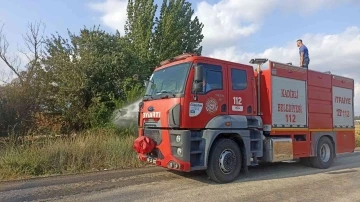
{"type": "Point", "coordinates": [167, 82]}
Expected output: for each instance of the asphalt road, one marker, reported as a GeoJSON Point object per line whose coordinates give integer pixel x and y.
{"type": "Point", "coordinates": [275, 182]}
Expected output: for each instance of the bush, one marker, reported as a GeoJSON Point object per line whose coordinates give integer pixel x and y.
{"type": "Point", "coordinates": [95, 149]}
{"type": "Point", "coordinates": [357, 140]}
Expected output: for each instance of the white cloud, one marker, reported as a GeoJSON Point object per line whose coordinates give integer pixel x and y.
{"type": "Point", "coordinates": [338, 53]}
{"type": "Point", "coordinates": [227, 21]}
{"type": "Point", "coordinates": [114, 13]}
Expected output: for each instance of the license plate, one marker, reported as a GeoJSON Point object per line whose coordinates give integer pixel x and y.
{"type": "Point", "coordinates": [151, 160]}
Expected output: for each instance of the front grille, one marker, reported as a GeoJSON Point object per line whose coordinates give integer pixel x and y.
{"type": "Point", "coordinates": [153, 134]}
{"type": "Point", "coordinates": [149, 125]}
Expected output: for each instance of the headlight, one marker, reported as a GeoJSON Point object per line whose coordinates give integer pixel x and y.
{"type": "Point", "coordinates": [178, 138]}
{"type": "Point", "coordinates": [179, 151]}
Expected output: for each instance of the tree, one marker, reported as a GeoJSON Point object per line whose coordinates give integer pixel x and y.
{"type": "Point", "coordinates": [34, 40]}
{"type": "Point", "coordinates": [89, 71]}
{"type": "Point", "coordinates": [20, 98]}
{"type": "Point", "coordinates": [175, 31]}
{"type": "Point", "coordinates": [139, 26]}
{"type": "Point", "coordinates": [12, 62]}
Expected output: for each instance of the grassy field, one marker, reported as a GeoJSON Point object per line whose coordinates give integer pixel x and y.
{"type": "Point", "coordinates": [357, 135]}
{"type": "Point", "coordinates": [90, 151]}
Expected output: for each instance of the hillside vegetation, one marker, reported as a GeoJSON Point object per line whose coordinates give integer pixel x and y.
{"type": "Point", "coordinates": [56, 115]}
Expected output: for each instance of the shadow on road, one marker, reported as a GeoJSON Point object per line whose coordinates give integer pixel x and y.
{"type": "Point", "coordinates": [45, 188]}
{"type": "Point", "coordinates": [269, 171]}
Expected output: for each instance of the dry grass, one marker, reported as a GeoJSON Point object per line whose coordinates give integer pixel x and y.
{"type": "Point", "coordinates": [90, 151]}
{"type": "Point", "coordinates": [357, 135]}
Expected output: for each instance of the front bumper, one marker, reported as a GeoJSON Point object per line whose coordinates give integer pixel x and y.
{"type": "Point", "coordinates": [175, 149]}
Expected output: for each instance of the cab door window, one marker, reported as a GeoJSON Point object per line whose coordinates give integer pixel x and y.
{"type": "Point", "coordinates": [238, 79]}
{"type": "Point", "coordinates": [213, 77]}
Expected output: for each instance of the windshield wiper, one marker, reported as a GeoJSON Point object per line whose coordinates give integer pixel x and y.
{"type": "Point", "coordinates": [151, 97]}
{"type": "Point", "coordinates": [166, 94]}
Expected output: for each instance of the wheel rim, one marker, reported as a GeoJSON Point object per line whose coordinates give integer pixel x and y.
{"type": "Point", "coordinates": [325, 152]}
{"type": "Point", "coordinates": [227, 161]}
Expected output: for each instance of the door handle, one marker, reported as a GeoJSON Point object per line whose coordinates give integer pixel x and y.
{"type": "Point", "coordinates": [249, 109]}
{"type": "Point", "coordinates": [223, 108]}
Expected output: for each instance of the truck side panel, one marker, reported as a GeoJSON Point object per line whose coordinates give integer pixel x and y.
{"type": "Point", "coordinates": [288, 102]}
{"type": "Point", "coordinates": [343, 113]}
{"type": "Point", "coordinates": [289, 97]}
{"type": "Point", "coordinates": [320, 96]}
{"type": "Point", "coordinates": [319, 100]}
{"type": "Point", "coordinates": [345, 141]}
{"type": "Point", "coordinates": [343, 107]}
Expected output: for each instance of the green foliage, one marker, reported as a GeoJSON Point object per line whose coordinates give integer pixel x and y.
{"type": "Point", "coordinates": [90, 70]}
{"type": "Point", "coordinates": [175, 31]}
{"type": "Point", "coordinates": [18, 103]}
{"type": "Point", "coordinates": [80, 79]}
{"type": "Point", "coordinates": [172, 34]}
{"type": "Point", "coordinates": [139, 25]}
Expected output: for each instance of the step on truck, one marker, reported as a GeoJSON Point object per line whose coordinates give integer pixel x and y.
{"type": "Point", "coordinates": [202, 113]}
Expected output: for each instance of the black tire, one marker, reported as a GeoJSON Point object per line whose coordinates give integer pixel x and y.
{"type": "Point", "coordinates": [222, 151]}
{"type": "Point", "coordinates": [325, 154]}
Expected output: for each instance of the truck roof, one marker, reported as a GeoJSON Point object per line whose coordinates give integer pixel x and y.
{"type": "Point", "coordinates": [193, 56]}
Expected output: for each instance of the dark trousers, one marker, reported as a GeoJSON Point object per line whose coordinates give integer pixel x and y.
{"type": "Point", "coordinates": [306, 63]}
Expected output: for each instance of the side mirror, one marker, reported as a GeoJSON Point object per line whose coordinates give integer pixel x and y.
{"type": "Point", "coordinates": [198, 79]}
{"type": "Point", "coordinates": [197, 87]}
{"type": "Point", "coordinates": [198, 75]}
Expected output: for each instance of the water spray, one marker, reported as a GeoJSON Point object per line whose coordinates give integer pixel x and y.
{"type": "Point", "coordinates": [127, 115]}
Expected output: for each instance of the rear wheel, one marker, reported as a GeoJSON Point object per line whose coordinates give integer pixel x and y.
{"type": "Point", "coordinates": [325, 154]}
{"type": "Point", "coordinates": [224, 163]}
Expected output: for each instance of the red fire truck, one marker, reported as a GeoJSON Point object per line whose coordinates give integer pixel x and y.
{"type": "Point", "coordinates": [201, 113]}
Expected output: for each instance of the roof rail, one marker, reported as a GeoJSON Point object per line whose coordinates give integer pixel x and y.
{"type": "Point", "coordinates": [179, 57]}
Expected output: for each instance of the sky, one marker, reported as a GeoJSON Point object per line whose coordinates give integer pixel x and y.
{"type": "Point", "coordinates": [235, 30]}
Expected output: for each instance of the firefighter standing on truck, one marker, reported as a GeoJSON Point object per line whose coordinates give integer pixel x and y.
{"type": "Point", "coordinates": [304, 54]}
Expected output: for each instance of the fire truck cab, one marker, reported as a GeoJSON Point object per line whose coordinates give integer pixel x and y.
{"type": "Point", "coordinates": [201, 113]}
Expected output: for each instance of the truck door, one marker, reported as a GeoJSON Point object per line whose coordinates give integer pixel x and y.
{"type": "Point", "coordinates": [212, 101]}
{"type": "Point", "coordinates": [241, 92]}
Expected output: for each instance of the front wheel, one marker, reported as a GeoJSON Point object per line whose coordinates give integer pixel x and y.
{"type": "Point", "coordinates": [325, 154]}
{"type": "Point", "coordinates": [224, 161]}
